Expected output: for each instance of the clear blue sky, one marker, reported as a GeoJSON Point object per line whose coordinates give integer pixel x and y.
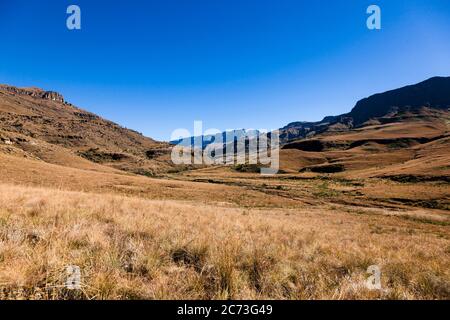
{"type": "Point", "coordinates": [156, 66]}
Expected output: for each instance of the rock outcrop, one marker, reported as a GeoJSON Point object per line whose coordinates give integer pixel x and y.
{"type": "Point", "coordinates": [34, 92]}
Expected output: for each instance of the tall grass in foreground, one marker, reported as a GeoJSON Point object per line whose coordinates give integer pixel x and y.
{"type": "Point", "coordinates": [130, 248]}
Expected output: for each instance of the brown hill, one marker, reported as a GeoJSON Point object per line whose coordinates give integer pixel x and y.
{"type": "Point", "coordinates": [41, 124]}
{"type": "Point", "coordinates": [405, 143]}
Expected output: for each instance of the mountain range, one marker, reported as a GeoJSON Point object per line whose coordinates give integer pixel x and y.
{"type": "Point", "coordinates": [385, 134]}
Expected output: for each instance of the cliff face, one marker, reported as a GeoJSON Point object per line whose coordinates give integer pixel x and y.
{"type": "Point", "coordinates": [54, 96]}
{"type": "Point", "coordinates": [34, 92]}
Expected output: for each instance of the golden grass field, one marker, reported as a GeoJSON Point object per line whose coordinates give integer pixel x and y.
{"type": "Point", "coordinates": [215, 233]}
{"type": "Point", "coordinates": [135, 248]}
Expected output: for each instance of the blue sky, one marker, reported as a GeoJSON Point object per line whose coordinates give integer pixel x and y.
{"type": "Point", "coordinates": [155, 66]}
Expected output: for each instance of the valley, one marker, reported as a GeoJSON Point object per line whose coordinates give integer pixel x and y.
{"type": "Point", "coordinates": [76, 189]}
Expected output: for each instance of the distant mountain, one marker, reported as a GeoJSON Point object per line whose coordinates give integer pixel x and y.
{"type": "Point", "coordinates": [222, 138]}
{"type": "Point", "coordinates": [433, 93]}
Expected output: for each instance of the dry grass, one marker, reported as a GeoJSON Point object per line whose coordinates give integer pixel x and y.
{"type": "Point", "coordinates": [214, 232]}
{"type": "Point", "coordinates": [132, 248]}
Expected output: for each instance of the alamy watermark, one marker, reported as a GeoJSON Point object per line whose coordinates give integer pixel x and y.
{"type": "Point", "coordinates": [73, 21]}
{"type": "Point", "coordinates": [374, 20]}
{"type": "Point", "coordinates": [374, 280]}
{"type": "Point", "coordinates": [73, 280]}
{"type": "Point", "coordinates": [230, 147]}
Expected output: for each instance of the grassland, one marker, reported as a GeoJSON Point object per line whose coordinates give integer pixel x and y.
{"type": "Point", "coordinates": [134, 248]}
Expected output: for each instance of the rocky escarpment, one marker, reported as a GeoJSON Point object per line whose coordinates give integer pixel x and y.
{"type": "Point", "coordinates": [34, 92]}
{"type": "Point", "coordinates": [433, 93]}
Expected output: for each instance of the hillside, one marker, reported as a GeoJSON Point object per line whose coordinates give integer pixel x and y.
{"type": "Point", "coordinates": [433, 93]}
{"type": "Point", "coordinates": [414, 144]}
{"type": "Point", "coordinates": [400, 134]}
{"type": "Point", "coordinates": [41, 124]}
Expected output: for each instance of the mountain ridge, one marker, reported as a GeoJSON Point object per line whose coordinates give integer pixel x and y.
{"type": "Point", "coordinates": [30, 115]}
{"type": "Point", "coordinates": [433, 93]}
{"type": "Point", "coordinates": [41, 125]}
